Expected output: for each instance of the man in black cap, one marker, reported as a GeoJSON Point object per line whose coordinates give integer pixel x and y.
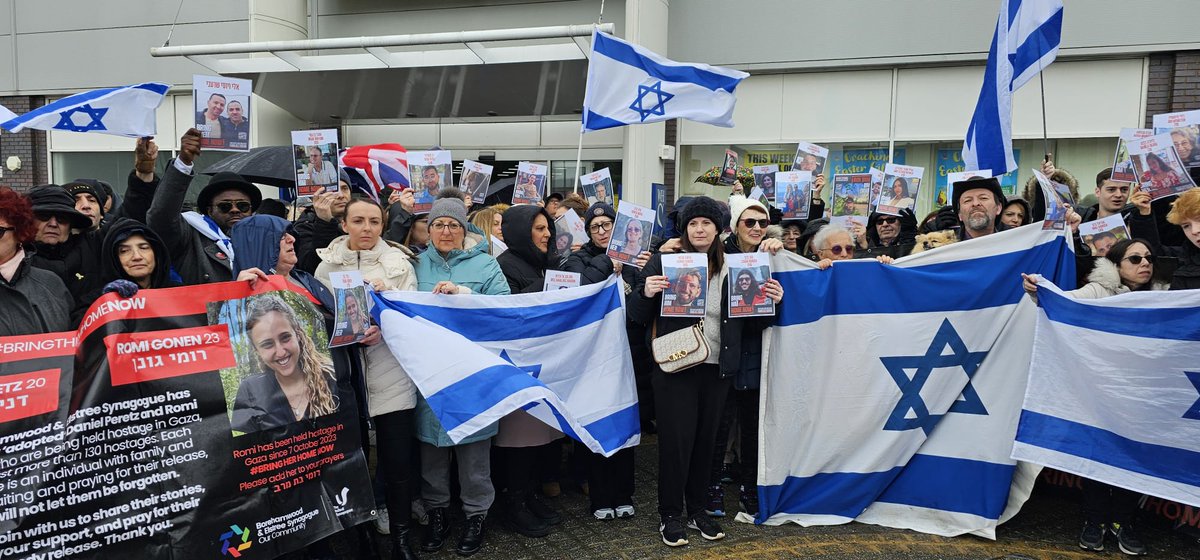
{"type": "Point", "coordinates": [978, 203]}
{"type": "Point", "coordinates": [90, 198]}
{"type": "Point", "coordinates": [199, 241]}
{"type": "Point", "coordinates": [74, 257]}
{"type": "Point", "coordinates": [552, 203]}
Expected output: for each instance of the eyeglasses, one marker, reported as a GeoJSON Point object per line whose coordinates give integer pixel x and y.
{"type": "Point", "coordinates": [750, 222]}
{"type": "Point", "coordinates": [1137, 259]}
{"type": "Point", "coordinates": [602, 226]}
{"type": "Point", "coordinates": [452, 227]}
{"type": "Point", "coordinates": [226, 207]}
{"type": "Point", "coordinates": [887, 220]}
{"type": "Point", "coordinates": [839, 249]}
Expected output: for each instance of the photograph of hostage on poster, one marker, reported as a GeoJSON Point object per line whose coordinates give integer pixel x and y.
{"type": "Point", "coordinates": [428, 173]}
{"type": "Point", "coordinates": [811, 158]}
{"type": "Point", "coordinates": [900, 185]}
{"type": "Point", "coordinates": [353, 317]}
{"type": "Point", "coordinates": [631, 233]}
{"type": "Point", "coordinates": [1100, 235]}
{"type": "Point", "coordinates": [530, 183]}
{"type": "Point", "coordinates": [475, 179]}
{"type": "Point", "coordinates": [1184, 127]}
{"type": "Point", "coordinates": [764, 178]}
{"type": "Point", "coordinates": [222, 108]}
{"type": "Point", "coordinates": [570, 223]}
{"type": "Point", "coordinates": [1058, 197]}
{"type": "Point", "coordinates": [1122, 168]}
{"type": "Point", "coordinates": [729, 169]}
{"type": "Point", "coordinates": [315, 155]}
{"type": "Point", "coordinates": [748, 272]}
{"type": "Point", "coordinates": [1157, 165]}
{"type": "Point", "coordinates": [794, 189]}
{"type": "Point", "coordinates": [687, 281]}
{"type": "Point", "coordinates": [851, 194]}
{"type": "Point", "coordinates": [597, 186]}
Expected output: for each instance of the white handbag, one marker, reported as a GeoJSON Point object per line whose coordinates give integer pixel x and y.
{"type": "Point", "coordinates": [679, 350]}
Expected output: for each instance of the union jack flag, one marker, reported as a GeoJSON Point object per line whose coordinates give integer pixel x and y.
{"type": "Point", "coordinates": [379, 165]}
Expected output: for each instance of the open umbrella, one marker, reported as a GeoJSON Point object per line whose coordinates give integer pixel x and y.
{"type": "Point", "coordinates": [267, 165]}
{"type": "Point", "coordinates": [500, 191]}
{"type": "Point", "coordinates": [744, 174]}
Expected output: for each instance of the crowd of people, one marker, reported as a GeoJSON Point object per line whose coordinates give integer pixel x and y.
{"type": "Point", "coordinates": [63, 246]}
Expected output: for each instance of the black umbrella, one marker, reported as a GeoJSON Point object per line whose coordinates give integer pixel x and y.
{"type": "Point", "coordinates": [500, 191]}
{"type": "Point", "coordinates": [267, 165]}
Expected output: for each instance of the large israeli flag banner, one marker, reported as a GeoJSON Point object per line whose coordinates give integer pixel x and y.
{"type": "Point", "coordinates": [561, 355]}
{"type": "Point", "coordinates": [121, 111]}
{"type": "Point", "coordinates": [1027, 37]}
{"type": "Point", "coordinates": [890, 393]}
{"type": "Point", "coordinates": [628, 84]}
{"type": "Point", "coordinates": [1114, 391]}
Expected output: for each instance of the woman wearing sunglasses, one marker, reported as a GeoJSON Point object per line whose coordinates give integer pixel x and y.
{"type": "Point", "coordinates": [1127, 267]}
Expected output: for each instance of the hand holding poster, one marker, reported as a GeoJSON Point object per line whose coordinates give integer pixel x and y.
{"type": "Point", "coordinates": [315, 155]}
{"type": "Point", "coordinates": [597, 186]}
{"type": "Point", "coordinates": [182, 433]}
{"type": "Point", "coordinates": [560, 280]}
{"type": "Point", "coordinates": [900, 185]}
{"type": "Point", "coordinates": [631, 233]}
{"type": "Point", "coordinates": [748, 272]}
{"type": "Point", "coordinates": [851, 199]}
{"type": "Point", "coordinates": [352, 320]}
{"type": "Point", "coordinates": [1158, 168]}
{"type": "Point", "coordinates": [764, 178]}
{"type": "Point", "coordinates": [796, 189]}
{"type": "Point", "coordinates": [1057, 196]}
{"type": "Point", "coordinates": [1100, 235]}
{"type": "Point", "coordinates": [687, 278]}
{"type": "Point", "coordinates": [530, 183]}
{"type": "Point", "coordinates": [475, 180]}
{"type": "Point", "coordinates": [222, 112]}
{"type": "Point", "coordinates": [1122, 168]}
{"type": "Point", "coordinates": [429, 173]}
{"type": "Point", "coordinates": [729, 169]}
{"type": "Point", "coordinates": [570, 223]}
{"type": "Point", "coordinates": [811, 158]}
{"type": "Point", "coordinates": [1183, 128]}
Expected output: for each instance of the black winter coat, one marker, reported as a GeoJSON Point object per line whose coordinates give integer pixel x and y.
{"type": "Point", "coordinates": [1187, 275]}
{"type": "Point", "coordinates": [1140, 227]}
{"type": "Point", "coordinates": [34, 302]}
{"type": "Point", "coordinates": [198, 259]}
{"type": "Point", "coordinates": [312, 233]}
{"type": "Point", "coordinates": [523, 264]}
{"type": "Point", "coordinates": [645, 311]}
{"type": "Point", "coordinates": [749, 373]}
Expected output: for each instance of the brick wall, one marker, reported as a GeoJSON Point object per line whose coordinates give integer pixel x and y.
{"type": "Point", "coordinates": [29, 145]}
{"type": "Point", "coordinates": [1174, 83]}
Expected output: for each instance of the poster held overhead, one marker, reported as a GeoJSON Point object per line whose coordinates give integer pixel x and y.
{"type": "Point", "coordinates": [631, 233]}
{"type": "Point", "coordinates": [530, 183]}
{"type": "Point", "coordinates": [851, 199]}
{"type": "Point", "coordinates": [1122, 167]}
{"type": "Point", "coordinates": [764, 178]}
{"type": "Point", "coordinates": [1057, 196]}
{"type": "Point", "coordinates": [900, 185]}
{"type": "Point", "coordinates": [796, 187]}
{"type": "Point", "coordinates": [315, 155]}
{"type": "Point", "coordinates": [1158, 168]}
{"type": "Point", "coordinates": [811, 158]}
{"type": "Point", "coordinates": [475, 180]}
{"type": "Point", "coordinates": [222, 108]}
{"type": "Point", "coordinates": [1184, 127]}
{"type": "Point", "coordinates": [729, 169]}
{"type": "Point", "coordinates": [597, 186]}
{"type": "Point", "coordinates": [429, 172]}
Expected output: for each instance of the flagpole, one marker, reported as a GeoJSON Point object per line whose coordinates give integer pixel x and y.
{"type": "Point", "coordinates": [1045, 136]}
{"type": "Point", "coordinates": [578, 157]}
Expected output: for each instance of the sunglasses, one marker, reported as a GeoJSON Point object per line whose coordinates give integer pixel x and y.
{"type": "Point", "coordinates": [888, 220]}
{"type": "Point", "coordinates": [839, 249]}
{"type": "Point", "coordinates": [1137, 259]}
{"type": "Point", "coordinates": [750, 222]}
{"type": "Point", "coordinates": [226, 207]}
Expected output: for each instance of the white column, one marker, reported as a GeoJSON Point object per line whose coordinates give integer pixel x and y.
{"type": "Point", "coordinates": [275, 20]}
{"type": "Point", "coordinates": [646, 25]}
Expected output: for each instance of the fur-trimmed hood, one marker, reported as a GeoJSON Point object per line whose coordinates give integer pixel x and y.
{"type": "Point", "coordinates": [1105, 280]}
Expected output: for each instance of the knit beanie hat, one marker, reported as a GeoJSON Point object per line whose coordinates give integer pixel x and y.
{"type": "Point", "coordinates": [702, 207]}
{"type": "Point", "coordinates": [739, 204]}
{"type": "Point", "coordinates": [87, 186]}
{"type": "Point", "coordinates": [449, 207]}
{"type": "Point", "coordinates": [595, 211]}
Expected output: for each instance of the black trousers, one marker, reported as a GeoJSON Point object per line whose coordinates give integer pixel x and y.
{"type": "Point", "coordinates": [394, 439]}
{"type": "Point", "coordinates": [688, 408]}
{"type": "Point", "coordinates": [747, 421]}
{"type": "Point", "coordinates": [1103, 503]}
{"type": "Point", "coordinates": [514, 471]}
{"type": "Point", "coordinates": [610, 479]}
{"type": "Point", "coordinates": [724, 428]}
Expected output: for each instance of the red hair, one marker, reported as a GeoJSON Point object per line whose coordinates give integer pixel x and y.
{"type": "Point", "coordinates": [18, 212]}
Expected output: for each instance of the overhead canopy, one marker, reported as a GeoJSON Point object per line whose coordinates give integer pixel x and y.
{"type": "Point", "coordinates": [503, 72]}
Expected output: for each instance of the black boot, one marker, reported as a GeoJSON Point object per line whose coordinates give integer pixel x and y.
{"type": "Point", "coordinates": [437, 530]}
{"type": "Point", "coordinates": [401, 547]}
{"type": "Point", "coordinates": [367, 549]}
{"type": "Point", "coordinates": [471, 539]}
{"type": "Point", "coordinates": [520, 519]}
{"type": "Point", "coordinates": [542, 510]}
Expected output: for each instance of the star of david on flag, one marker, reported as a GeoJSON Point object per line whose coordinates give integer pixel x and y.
{"type": "Point", "coordinates": [121, 111]}
{"type": "Point", "coordinates": [628, 84]}
{"type": "Point", "coordinates": [924, 365]}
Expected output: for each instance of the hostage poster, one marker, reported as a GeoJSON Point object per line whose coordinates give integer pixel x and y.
{"type": "Point", "coordinates": [170, 426]}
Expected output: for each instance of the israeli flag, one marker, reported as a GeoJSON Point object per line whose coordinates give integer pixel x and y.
{"type": "Point", "coordinates": [120, 111]}
{"type": "Point", "coordinates": [1114, 391]}
{"type": "Point", "coordinates": [1028, 33]}
{"type": "Point", "coordinates": [628, 84]}
{"type": "Point", "coordinates": [890, 393]}
{"type": "Point", "coordinates": [561, 355]}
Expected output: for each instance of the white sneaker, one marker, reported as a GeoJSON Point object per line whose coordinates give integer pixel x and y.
{"type": "Point", "coordinates": [382, 522]}
{"type": "Point", "coordinates": [605, 514]}
{"type": "Point", "coordinates": [625, 511]}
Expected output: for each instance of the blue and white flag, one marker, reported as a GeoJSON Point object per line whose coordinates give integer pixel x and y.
{"type": "Point", "coordinates": [120, 111]}
{"type": "Point", "coordinates": [1028, 33]}
{"type": "Point", "coordinates": [561, 355]}
{"type": "Point", "coordinates": [1114, 391]}
{"type": "Point", "coordinates": [628, 84]}
{"type": "Point", "coordinates": [890, 393]}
